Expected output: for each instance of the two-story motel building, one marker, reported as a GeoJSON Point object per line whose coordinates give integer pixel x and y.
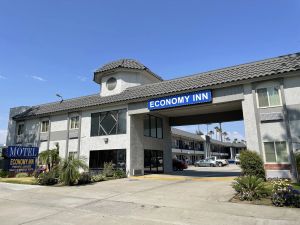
{"type": "Point", "coordinates": [129, 121]}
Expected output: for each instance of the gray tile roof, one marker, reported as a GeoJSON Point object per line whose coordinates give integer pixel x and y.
{"type": "Point", "coordinates": [273, 66]}
{"type": "Point", "coordinates": [186, 134]}
{"type": "Point", "coordinates": [127, 64]}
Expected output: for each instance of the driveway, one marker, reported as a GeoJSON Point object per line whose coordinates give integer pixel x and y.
{"type": "Point", "coordinates": [154, 199]}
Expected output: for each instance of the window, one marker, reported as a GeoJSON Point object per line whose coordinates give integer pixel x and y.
{"type": "Point", "coordinates": [74, 122]}
{"type": "Point", "coordinates": [276, 152]}
{"type": "Point", "coordinates": [108, 123]}
{"type": "Point", "coordinates": [20, 130]}
{"type": "Point", "coordinates": [45, 126]}
{"type": "Point", "coordinates": [153, 126]}
{"type": "Point", "coordinates": [111, 83]}
{"type": "Point", "coordinates": [73, 154]}
{"type": "Point", "coordinates": [99, 157]}
{"type": "Point", "coordinates": [268, 97]}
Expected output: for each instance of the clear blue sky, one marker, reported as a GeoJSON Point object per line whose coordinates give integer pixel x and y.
{"type": "Point", "coordinates": [49, 47]}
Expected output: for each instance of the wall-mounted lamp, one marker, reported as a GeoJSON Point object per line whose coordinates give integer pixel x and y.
{"type": "Point", "coordinates": [105, 140]}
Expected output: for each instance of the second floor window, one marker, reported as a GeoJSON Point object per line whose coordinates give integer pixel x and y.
{"type": "Point", "coordinates": [108, 123]}
{"type": "Point", "coordinates": [20, 130]}
{"type": "Point", "coordinates": [74, 122]}
{"type": "Point", "coordinates": [45, 126]}
{"type": "Point", "coordinates": [268, 97]}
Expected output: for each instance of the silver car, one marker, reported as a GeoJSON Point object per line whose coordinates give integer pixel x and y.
{"type": "Point", "coordinates": [206, 162]}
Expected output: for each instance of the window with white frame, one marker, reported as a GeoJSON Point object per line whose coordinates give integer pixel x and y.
{"type": "Point", "coordinates": [74, 122]}
{"type": "Point", "coordinates": [20, 129]}
{"type": "Point", "coordinates": [276, 152]}
{"type": "Point", "coordinates": [45, 126]}
{"type": "Point", "coordinates": [268, 97]}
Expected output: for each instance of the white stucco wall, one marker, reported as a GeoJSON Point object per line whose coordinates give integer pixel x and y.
{"type": "Point", "coordinates": [124, 80]}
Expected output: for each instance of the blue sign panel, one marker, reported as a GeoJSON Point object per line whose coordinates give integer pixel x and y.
{"type": "Point", "coordinates": [180, 100]}
{"type": "Point", "coordinates": [25, 165]}
{"type": "Point", "coordinates": [21, 152]}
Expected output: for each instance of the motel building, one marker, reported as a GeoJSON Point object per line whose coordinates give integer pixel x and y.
{"type": "Point", "coordinates": [129, 122]}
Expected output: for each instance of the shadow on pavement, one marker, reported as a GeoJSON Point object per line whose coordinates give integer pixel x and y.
{"type": "Point", "coordinates": [205, 173]}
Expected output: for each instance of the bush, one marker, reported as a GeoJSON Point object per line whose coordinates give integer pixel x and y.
{"type": "Point", "coordinates": [283, 194]}
{"type": "Point", "coordinates": [250, 188]}
{"type": "Point", "coordinates": [48, 178]}
{"type": "Point", "coordinates": [252, 164]}
{"type": "Point", "coordinates": [19, 175]}
{"type": "Point", "coordinates": [98, 178]}
{"type": "Point", "coordinates": [3, 173]}
{"type": "Point", "coordinates": [108, 170]}
{"type": "Point", "coordinates": [118, 173]}
{"type": "Point", "coordinates": [84, 178]}
{"type": "Point", "coordinates": [70, 169]}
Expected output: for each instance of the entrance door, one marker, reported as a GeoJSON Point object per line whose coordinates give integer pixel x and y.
{"type": "Point", "coordinates": [153, 161]}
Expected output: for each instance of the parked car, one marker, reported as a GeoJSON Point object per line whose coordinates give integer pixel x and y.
{"type": "Point", "coordinates": [206, 162]}
{"type": "Point", "coordinates": [179, 165]}
{"type": "Point", "coordinates": [220, 162]}
{"type": "Point", "coordinates": [237, 159]}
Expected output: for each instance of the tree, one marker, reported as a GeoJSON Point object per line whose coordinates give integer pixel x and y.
{"type": "Point", "coordinates": [227, 139]}
{"type": "Point", "coordinates": [70, 168]}
{"type": "Point", "coordinates": [50, 157]}
{"type": "Point", "coordinates": [210, 133]}
{"type": "Point", "coordinates": [224, 134]}
{"type": "Point", "coordinates": [235, 140]}
{"type": "Point", "coordinates": [217, 131]}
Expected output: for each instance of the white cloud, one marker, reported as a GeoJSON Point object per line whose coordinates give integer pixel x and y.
{"type": "Point", "coordinates": [235, 134]}
{"type": "Point", "coordinates": [3, 134]}
{"type": "Point", "coordinates": [82, 78]}
{"type": "Point", "coordinates": [38, 78]}
{"type": "Point", "coordinates": [3, 77]}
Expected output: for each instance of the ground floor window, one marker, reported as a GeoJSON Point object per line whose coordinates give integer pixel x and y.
{"type": "Point", "coordinates": [153, 161]}
{"type": "Point", "coordinates": [99, 157]}
{"type": "Point", "coordinates": [276, 152]}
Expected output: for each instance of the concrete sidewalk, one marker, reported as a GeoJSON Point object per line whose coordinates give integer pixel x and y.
{"type": "Point", "coordinates": [136, 201]}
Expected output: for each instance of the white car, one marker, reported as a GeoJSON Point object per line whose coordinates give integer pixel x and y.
{"type": "Point", "coordinates": [220, 162]}
{"type": "Point", "coordinates": [237, 159]}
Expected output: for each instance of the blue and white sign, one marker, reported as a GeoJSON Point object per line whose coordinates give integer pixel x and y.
{"type": "Point", "coordinates": [21, 152]}
{"type": "Point", "coordinates": [180, 100]}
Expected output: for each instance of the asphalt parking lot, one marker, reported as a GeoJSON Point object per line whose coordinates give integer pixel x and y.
{"type": "Point", "coordinates": [179, 198]}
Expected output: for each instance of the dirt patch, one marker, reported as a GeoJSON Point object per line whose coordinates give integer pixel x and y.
{"type": "Point", "coordinates": [263, 201]}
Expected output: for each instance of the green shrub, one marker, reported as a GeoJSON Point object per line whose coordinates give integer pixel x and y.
{"type": "Point", "coordinates": [250, 188]}
{"type": "Point", "coordinates": [84, 178]}
{"type": "Point", "coordinates": [47, 178]}
{"type": "Point", "coordinates": [252, 164]}
{"type": "Point", "coordinates": [70, 167]}
{"type": "Point", "coordinates": [3, 173]}
{"type": "Point", "coordinates": [118, 173]}
{"type": "Point", "coordinates": [108, 169]}
{"type": "Point", "coordinates": [98, 178]}
{"type": "Point", "coordinates": [19, 175]}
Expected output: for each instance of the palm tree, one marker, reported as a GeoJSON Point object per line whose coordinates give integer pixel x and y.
{"type": "Point", "coordinates": [217, 131]}
{"type": "Point", "coordinates": [70, 169]}
{"type": "Point", "coordinates": [235, 140]}
{"type": "Point", "coordinates": [227, 139]}
{"type": "Point", "coordinates": [224, 134]}
{"type": "Point", "coordinates": [210, 133]}
{"type": "Point", "coordinates": [50, 157]}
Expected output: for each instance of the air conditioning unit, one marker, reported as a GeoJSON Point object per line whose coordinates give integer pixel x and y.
{"type": "Point", "coordinates": [137, 172]}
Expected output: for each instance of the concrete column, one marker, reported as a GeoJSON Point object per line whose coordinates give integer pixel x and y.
{"type": "Point", "coordinates": [232, 155]}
